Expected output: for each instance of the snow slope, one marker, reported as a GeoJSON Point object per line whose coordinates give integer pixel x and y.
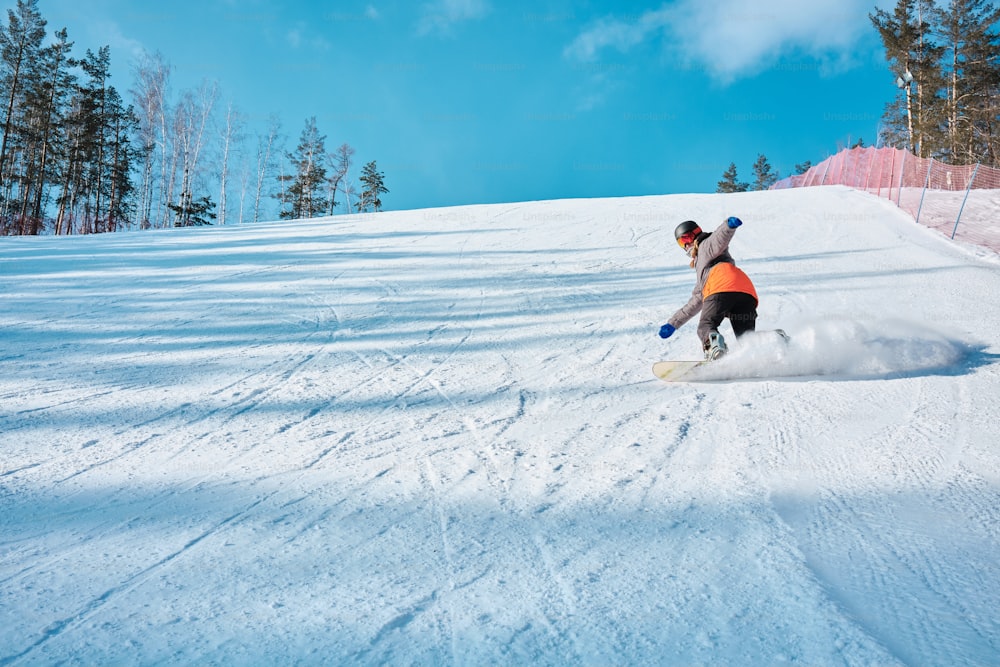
{"type": "Point", "coordinates": [433, 437]}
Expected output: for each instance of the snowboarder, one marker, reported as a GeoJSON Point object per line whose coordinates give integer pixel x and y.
{"type": "Point", "coordinates": [721, 289]}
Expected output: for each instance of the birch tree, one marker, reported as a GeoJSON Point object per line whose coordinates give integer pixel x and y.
{"type": "Point", "coordinates": [151, 80]}
{"type": "Point", "coordinates": [341, 165]}
{"type": "Point", "coordinates": [266, 146]}
{"type": "Point", "coordinates": [232, 135]}
{"type": "Point", "coordinates": [190, 122]}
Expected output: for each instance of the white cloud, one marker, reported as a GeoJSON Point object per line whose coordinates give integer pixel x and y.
{"type": "Point", "coordinates": [737, 37]}
{"type": "Point", "coordinates": [440, 16]}
{"type": "Point", "coordinates": [99, 32]}
{"type": "Point", "coordinates": [732, 38]}
{"type": "Point", "coordinates": [618, 34]}
{"type": "Point", "coordinates": [301, 36]}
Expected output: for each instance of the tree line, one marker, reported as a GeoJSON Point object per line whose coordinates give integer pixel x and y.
{"type": "Point", "coordinates": [77, 157]}
{"type": "Point", "coordinates": [764, 176]}
{"type": "Point", "coordinates": [946, 58]}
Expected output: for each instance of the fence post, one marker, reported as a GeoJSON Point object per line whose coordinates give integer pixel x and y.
{"type": "Point", "coordinates": [902, 170]}
{"type": "Point", "coordinates": [927, 183]}
{"type": "Point", "coordinates": [892, 170]}
{"type": "Point", "coordinates": [826, 171]}
{"type": "Point", "coordinates": [868, 176]}
{"type": "Point", "coordinates": [962, 207]}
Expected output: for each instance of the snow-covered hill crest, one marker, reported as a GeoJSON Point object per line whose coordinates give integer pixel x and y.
{"type": "Point", "coordinates": [433, 437]}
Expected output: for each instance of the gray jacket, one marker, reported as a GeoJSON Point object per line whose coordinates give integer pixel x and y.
{"type": "Point", "coordinates": [711, 250]}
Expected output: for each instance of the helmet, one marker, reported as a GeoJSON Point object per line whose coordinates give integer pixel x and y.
{"type": "Point", "coordinates": [686, 233]}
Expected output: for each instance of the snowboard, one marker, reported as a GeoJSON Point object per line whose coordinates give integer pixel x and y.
{"type": "Point", "coordinates": [686, 371]}
{"type": "Point", "coordinates": [676, 371]}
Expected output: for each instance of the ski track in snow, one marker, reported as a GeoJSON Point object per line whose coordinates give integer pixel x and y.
{"type": "Point", "coordinates": [433, 438]}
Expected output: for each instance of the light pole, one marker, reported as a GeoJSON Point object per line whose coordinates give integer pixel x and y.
{"type": "Point", "coordinates": [903, 82]}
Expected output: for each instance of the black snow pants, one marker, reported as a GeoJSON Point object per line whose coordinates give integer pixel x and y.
{"type": "Point", "coordinates": [739, 307]}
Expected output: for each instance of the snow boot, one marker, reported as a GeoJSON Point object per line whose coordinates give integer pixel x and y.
{"type": "Point", "coordinates": [716, 347]}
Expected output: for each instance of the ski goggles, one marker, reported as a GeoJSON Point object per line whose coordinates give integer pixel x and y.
{"type": "Point", "coordinates": [687, 239]}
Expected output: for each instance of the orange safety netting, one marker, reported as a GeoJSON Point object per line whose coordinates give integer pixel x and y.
{"type": "Point", "coordinates": [962, 202]}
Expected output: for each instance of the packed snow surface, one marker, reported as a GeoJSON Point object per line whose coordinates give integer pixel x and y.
{"type": "Point", "coordinates": [433, 437]}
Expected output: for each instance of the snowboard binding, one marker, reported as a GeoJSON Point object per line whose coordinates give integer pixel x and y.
{"type": "Point", "coordinates": [715, 348]}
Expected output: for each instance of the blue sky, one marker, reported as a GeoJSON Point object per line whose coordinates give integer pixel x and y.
{"type": "Point", "coordinates": [482, 101]}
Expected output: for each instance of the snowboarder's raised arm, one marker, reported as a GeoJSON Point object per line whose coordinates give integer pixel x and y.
{"type": "Point", "coordinates": [718, 241]}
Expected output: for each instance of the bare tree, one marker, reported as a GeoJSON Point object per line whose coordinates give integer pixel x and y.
{"type": "Point", "coordinates": [265, 153]}
{"type": "Point", "coordinates": [341, 166]}
{"type": "Point", "coordinates": [349, 189]}
{"type": "Point", "coordinates": [232, 134]}
{"type": "Point", "coordinates": [149, 96]}
{"type": "Point", "coordinates": [245, 174]}
{"type": "Point", "coordinates": [190, 121]}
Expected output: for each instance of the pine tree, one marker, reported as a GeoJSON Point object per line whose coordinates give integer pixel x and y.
{"type": "Point", "coordinates": [764, 176]}
{"type": "Point", "coordinates": [304, 194]}
{"type": "Point", "coordinates": [20, 51]}
{"type": "Point", "coordinates": [916, 115]}
{"type": "Point", "coordinates": [122, 125]}
{"type": "Point", "coordinates": [374, 187]}
{"type": "Point", "coordinates": [730, 181]}
{"type": "Point", "coordinates": [968, 29]}
{"type": "Point", "coordinates": [803, 167]}
{"type": "Point", "coordinates": [191, 213]}
{"type": "Point", "coordinates": [50, 99]}
{"type": "Point", "coordinates": [97, 185]}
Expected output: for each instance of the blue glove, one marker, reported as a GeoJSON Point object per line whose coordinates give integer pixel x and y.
{"type": "Point", "coordinates": [667, 330]}
{"type": "Point", "coordinates": [734, 222]}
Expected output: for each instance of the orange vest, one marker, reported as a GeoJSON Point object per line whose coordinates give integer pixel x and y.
{"type": "Point", "coordinates": [726, 277]}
